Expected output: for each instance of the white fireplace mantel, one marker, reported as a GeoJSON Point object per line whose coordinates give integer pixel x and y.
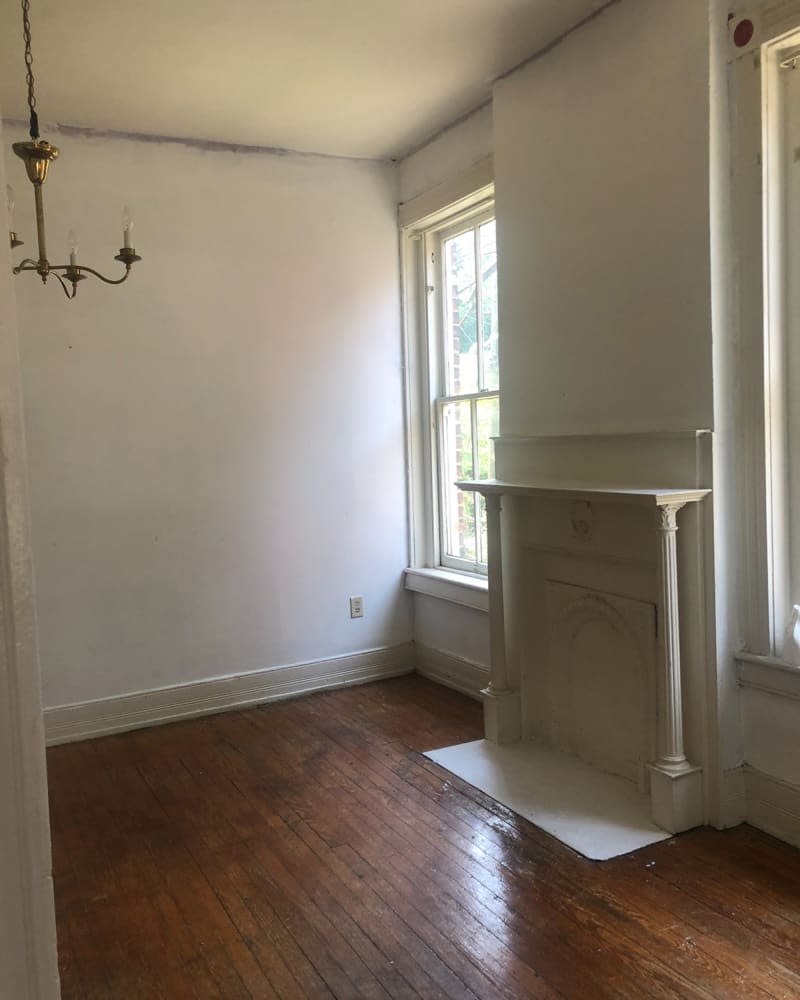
{"type": "Point", "coordinates": [675, 783]}
{"type": "Point", "coordinates": [588, 492]}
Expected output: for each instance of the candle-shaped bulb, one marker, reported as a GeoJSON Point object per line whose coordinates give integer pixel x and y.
{"type": "Point", "coordinates": [72, 239]}
{"type": "Point", "coordinates": [127, 227]}
{"type": "Point", "coordinates": [10, 205]}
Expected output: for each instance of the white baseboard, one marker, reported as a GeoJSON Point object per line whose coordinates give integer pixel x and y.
{"type": "Point", "coordinates": [148, 708]}
{"type": "Point", "coordinates": [445, 668]}
{"type": "Point", "coordinates": [772, 805]}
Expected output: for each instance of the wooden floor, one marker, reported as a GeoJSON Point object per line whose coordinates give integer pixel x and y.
{"type": "Point", "coordinates": [306, 849]}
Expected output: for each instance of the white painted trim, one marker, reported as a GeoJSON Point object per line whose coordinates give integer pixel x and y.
{"type": "Point", "coordinates": [28, 958]}
{"type": "Point", "coordinates": [420, 306]}
{"type": "Point", "coordinates": [775, 379]}
{"type": "Point", "coordinates": [457, 588]}
{"type": "Point", "coordinates": [772, 805]}
{"type": "Point", "coordinates": [449, 198]}
{"type": "Point", "coordinates": [769, 674]}
{"type": "Point", "coordinates": [416, 400]}
{"type": "Point", "coordinates": [759, 267]}
{"type": "Point", "coordinates": [591, 492]}
{"type": "Point", "coordinates": [451, 671]}
{"type": "Point", "coordinates": [630, 437]}
{"type": "Point", "coordinates": [745, 351]}
{"type": "Point", "coordinates": [185, 701]}
{"type": "Point", "coordinates": [28, 951]}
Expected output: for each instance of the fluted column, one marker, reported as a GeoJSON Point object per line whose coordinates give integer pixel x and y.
{"type": "Point", "coordinates": [497, 631]}
{"type": "Point", "coordinates": [676, 786]}
{"type": "Point", "coordinates": [672, 750]}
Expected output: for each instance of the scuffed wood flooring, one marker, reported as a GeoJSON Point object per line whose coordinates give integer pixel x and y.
{"type": "Point", "coordinates": [307, 849]}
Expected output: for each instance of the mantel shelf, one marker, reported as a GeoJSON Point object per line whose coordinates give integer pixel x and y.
{"type": "Point", "coordinates": [647, 496]}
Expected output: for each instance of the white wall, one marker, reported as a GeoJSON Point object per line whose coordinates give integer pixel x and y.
{"type": "Point", "coordinates": [452, 628]}
{"type": "Point", "coordinates": [770, 715]}
{"type": "Point", "coordinates": [602, 168]}
{"type": "Point", "coordinates": [216, 448]}
{"type": "Point", "coordinates": [770, 721]}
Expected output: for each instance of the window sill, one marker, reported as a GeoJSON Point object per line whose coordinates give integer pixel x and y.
{"type": "Point", "coordinates": [457, 588]}
{"type": "Point", "coordinates": [770, 674]}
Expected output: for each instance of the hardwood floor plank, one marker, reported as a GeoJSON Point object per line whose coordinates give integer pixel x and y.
{"type": "Point", "coordinates": [375, 835]}
{"type": "Point", "coordinates": [731, 988]}
{"type": "Point", "coordinates": [314, 878]}
{"type": "Point", "coordinates": [719, 937]}
{"type": "Point", "coordinates": [342, 977]}
{"type": "Point", "coordinates": [288, 967]}
{"type": "Point", "coordinates": [473, 981]}
{"type": "Point", "coordinates": [476, 900]}
{"type": "Point", "coordinates": [411, 952]}
{"type": "Point", "coordinates": [706, 951]}
{"type": "Point", "coordinates": [743, 906]}
{"type": "Point", "coordinates": [659, 975]}
{"type": "Point", "coordinates": [306, 849]}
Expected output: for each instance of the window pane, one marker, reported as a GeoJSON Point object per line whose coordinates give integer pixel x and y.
{"type": "Point", "coordinates": [461, 326]}
{"type": "Point", "coordinates": [458, 508]}
{"type": "Point", "coordinates": [488, 250]}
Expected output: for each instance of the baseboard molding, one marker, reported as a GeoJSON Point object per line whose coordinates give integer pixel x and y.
{"type": "Point", "coordinates": [67, 723]}
{"type": "Point", "coordinates": [772, 805]}
{"type": "Point", "coordinates": [454, 672]}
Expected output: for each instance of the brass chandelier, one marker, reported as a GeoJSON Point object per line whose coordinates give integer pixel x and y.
{"type": "Point", "coordinates": [37, 155]}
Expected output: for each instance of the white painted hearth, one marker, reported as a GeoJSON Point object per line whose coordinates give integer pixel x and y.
{"type": "Point", "coordinates": [586, 644]}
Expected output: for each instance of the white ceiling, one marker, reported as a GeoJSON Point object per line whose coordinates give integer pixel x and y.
{"type": "Point", "coordinates": [366, 78]}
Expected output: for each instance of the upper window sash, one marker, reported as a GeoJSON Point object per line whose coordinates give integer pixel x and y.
{"type": "Point", "coordinates": [462, 315]}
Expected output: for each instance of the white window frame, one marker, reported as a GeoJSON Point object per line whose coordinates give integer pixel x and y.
{"type": "Point", "coordinates": [776, 421]}
{"type": "Point", "coordinates": [433, 243]}
{"type": "Point", "coordinates": [760, 265]}
{"type": "Point", "coordinates": [470, 195]}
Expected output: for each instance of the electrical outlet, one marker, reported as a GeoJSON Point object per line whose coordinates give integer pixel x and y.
{"type": "Point", "coordinates": [356, 607]}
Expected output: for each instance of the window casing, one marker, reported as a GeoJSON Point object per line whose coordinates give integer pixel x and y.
{"type": "Point", "coordinates": [763, 372]}
{"type": "Point", "coordinates": [463, 380]}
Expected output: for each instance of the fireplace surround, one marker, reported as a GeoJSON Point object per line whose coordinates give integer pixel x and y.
{"type": "Point", "coordinates": [584, 610]}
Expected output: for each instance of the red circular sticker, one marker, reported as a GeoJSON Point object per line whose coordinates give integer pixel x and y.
{"type": "Point", "coordinates": [743, 33]}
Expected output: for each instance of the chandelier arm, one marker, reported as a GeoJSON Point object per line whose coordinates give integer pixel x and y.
{"type": "Point", "coordinates": [25, 265]}
{"type": "Point", "coordinates": [97, 274]}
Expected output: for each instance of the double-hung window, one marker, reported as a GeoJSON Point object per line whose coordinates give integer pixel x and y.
{"type": "Point", "coordinates": [462, 335]}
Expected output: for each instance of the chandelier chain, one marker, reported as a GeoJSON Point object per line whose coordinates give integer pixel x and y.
{"type": "Point", "coordinates": [26, 34]}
